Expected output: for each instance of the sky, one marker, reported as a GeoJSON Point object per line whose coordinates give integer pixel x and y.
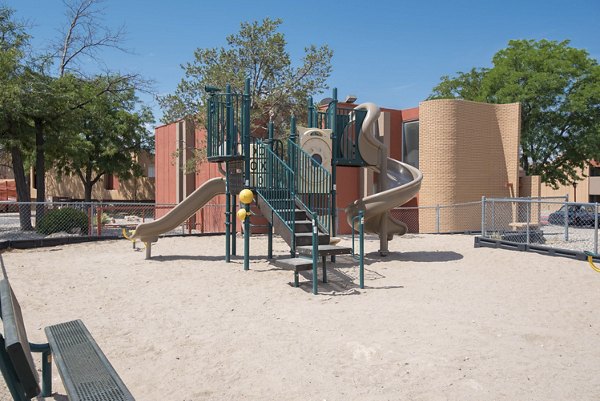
{"type": "Point", "coordinates": [391, 53]}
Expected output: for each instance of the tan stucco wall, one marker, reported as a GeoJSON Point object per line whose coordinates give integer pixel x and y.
{"type": "Point", "coordinates": [587, 186]}
{"type": "Point", "coordinates": [466, 150]}
{"type": "Point", "coordinates": [134, 189]}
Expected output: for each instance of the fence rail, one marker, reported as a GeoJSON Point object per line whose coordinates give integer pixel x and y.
{"type": "Point", "coordinates": [552, 222]}
{"type": "Point", "coordinates": [19, 220]}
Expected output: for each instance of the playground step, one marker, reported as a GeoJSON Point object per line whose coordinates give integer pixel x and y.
{"type": "Point", "coordinates": [325, 250]}
{"type": "Point", "coordinates": [281, 203]}
{"type": "Point", "coordinates": [299, 214]}
{"type": "Point", "coordinates": [305, 239]}
{"type": "Point", "coordinates": [303, 226]}
{"type": "Point", "coordinates": [297, 264]}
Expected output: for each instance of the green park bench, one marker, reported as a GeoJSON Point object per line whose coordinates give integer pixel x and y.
{"type": "Point", "coordinates": [85, 372]}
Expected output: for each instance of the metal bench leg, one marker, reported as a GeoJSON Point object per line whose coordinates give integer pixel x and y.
{"type": "Point", "coordinates": [296, 280]}
{"type": "Point", "coordinates": [324, 269]}
{"type": "Point", "coordinates": [46, 367]}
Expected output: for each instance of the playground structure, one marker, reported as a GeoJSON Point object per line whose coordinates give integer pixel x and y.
{"type": "Point", "coordinates": [294, 185]}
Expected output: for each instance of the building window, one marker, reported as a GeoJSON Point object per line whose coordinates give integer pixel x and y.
{"type": "Point", "coordinates": [109, 181]}
{"type": "Point", "coordinates": [594, 171]}
{"type": "Point", "coordinates": [410, 143]}
{"type": "Point", "coordinates": [151, 172]}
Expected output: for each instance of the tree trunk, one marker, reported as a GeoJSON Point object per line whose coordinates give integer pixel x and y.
{"type": "Point", "coordinates": [22, 184]}
{"type": "Point", "coordinates": [40, 169]}
{"type": "Point", "coordinates": [88, 186]}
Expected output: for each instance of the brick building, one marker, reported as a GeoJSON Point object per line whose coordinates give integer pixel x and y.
{"type": "Point", "coordinates": [464, 149]}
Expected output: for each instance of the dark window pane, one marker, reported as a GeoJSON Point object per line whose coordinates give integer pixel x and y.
{"type": "Point", "coordinates": [410, 143]}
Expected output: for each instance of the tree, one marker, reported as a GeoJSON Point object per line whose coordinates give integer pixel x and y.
{"type": "Point", "coordinates": [558, 87]}
{"type": "Point", "coordinates": [257, 52]}
{"type": "Point", "coordinates": [106, 135]}
{"type": "Point", "coordinates": [13, 127]}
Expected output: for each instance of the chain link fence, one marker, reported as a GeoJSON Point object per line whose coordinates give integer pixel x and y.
{"type": "Point", "coordinates": [551, 222]}
{"type": "Point", "coordinates": [460, 218]}
{"type": "Point", "coordinates": [36, 220]}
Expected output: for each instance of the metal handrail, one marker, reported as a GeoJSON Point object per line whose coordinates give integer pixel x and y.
{"type": "Point", "coordinates": [276, 184]}
{"type": "Point", "coordinates": [312, 185]}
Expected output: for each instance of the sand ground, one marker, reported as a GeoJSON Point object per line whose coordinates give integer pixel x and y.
{"type": "Point", "coordinates": [440, 320]}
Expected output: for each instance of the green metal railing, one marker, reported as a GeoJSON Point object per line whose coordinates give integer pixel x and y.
{"type": "Point", "coordinates": [312, 185]}
{"type": "Point", "coordinates": [359, 221]}
{"type": "Point", "coordinates": [276, 184]}
{"type": "Point", "coordinates": [226, 124]}
{"type": "Point", "coordinates": [345, 149]}
{"type": "Point", "coordinates": [346, 124]}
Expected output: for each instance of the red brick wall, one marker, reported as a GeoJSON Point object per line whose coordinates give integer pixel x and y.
{"type": "Point", "coordinates": [165, 168]}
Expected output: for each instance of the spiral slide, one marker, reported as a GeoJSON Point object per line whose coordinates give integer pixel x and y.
{"type": "Point", "coordinates": [150, 231]}
{"type": "Point", "coordinates": [399, 182]}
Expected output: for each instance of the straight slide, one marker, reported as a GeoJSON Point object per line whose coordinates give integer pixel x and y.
{"type": "Point", "coordinates": [150, 231]}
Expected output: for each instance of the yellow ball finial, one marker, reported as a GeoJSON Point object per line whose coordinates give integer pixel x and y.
{"type": "Point", "coordinates": [242, 214]}
{"type": "Point", "coordinates": [246, 196]}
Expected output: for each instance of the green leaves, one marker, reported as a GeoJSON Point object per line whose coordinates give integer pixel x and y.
{"type": "Point", "coordinates": [559, 90]}
{"type": "Point", "coordinates": [106, 134]}
{"type": "Point", "coordinates": [257, 51]}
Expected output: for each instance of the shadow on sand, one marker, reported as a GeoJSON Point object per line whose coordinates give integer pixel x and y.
{"type": "Point", "coordinates": [427, 257]}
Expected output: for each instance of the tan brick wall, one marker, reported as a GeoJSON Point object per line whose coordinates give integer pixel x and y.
{"type": "Point", "coordinates": [466, 150]}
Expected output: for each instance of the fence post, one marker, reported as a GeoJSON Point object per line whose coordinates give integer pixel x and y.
{"type": "Point", "coordinates": [91, 220]}
{"type": "Point", "coordinates": [493, 216]}
{"type": "Point", "coordinates": [483, 216]}
{"type": "Point", "coordinates": [528, 218]}
{"type": "Point", "coordinates": [437, 218]}
{"type": "Point", "coordinates": [566, 217]}
{"type": "Point", "coordinates": [99, 221]}
{"type": "Point", "coordinates": [596, 228]}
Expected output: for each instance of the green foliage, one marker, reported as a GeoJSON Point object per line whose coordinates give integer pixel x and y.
{"type": "Point", "coordinates": [66, 219]}
{"type": "Point", "coordinates": [559, 90]}
{"type": "Point", "coordinates": [104, 137]}
{"type": "Point", "coordinates": [257, 51]}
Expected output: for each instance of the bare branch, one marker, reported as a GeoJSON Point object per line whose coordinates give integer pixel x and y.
{"type": "Point", "coordinates": [85, 35]}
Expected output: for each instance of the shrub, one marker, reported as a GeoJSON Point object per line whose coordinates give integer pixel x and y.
{"type": "Point", "coordinates": [66, 219]}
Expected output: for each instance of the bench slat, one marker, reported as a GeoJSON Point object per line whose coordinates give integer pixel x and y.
{"type": "Point", "coordinates": [85, 371]}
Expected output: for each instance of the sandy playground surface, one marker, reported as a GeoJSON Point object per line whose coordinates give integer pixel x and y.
{"type": "Point", "coordinates": [440, 320]}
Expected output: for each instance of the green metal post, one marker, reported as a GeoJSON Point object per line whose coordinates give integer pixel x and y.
{"type": "Point", "coordinates": [334, 138]}
{"type": "Point", "coordinates": [227, 216]}
{"type": "Point", "coordinates": [311, 112]}
{"type": "Point", "coordinates": [361, 247]}
{"type": "Point", "coordinates": [233, 226]}
{"type": "Point", "coordinates": [270, 184]}
{"type": "Point", "coordinates": [44, 349]}
{"type": "Point", "coordinates": [246, 139]}
{"type": "Point", "coordinates": [230, 121]}
{"type": "Point", "coordinates": [270, 240]}
{"type": "Point", "coordinates": [292, 162]}
{"type": "Point", "coordinates": [46, 373]}
{"type": "Point", "coordinates": [315, 252]}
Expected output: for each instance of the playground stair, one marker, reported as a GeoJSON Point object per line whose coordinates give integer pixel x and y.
{"type": "Point", "coordinates": [304, 260]}
{"type": "Point", "coordinates": [302, 224]}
